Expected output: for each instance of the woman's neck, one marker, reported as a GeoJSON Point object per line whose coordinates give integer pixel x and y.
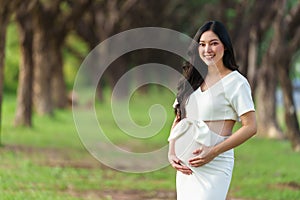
{"type": "Point", "coordinates": [217, 70]}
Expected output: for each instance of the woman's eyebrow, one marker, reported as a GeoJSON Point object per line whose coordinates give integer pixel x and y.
{"type": "Point", "coordinates": [210, 40]}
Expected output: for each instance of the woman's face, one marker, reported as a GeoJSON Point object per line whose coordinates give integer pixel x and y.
{"type": "Point", "coordinates": [211, 49]}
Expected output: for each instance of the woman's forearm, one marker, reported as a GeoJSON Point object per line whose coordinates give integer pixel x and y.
{"type": "Point", "coordinates": [247, 130]}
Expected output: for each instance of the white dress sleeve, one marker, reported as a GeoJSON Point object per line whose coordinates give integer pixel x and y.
{"type": "Point", "coordinates": [241, 99]}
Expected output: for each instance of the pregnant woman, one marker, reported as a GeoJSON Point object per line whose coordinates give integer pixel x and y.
{"type": "Point", "coordinates": [210, 100]}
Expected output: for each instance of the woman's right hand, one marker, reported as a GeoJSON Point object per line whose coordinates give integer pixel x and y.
{"type": "Point", "coordinates": [176, 164]}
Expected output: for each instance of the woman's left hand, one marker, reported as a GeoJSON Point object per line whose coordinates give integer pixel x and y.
{"type": "Point", "coordinates": [203, 155]}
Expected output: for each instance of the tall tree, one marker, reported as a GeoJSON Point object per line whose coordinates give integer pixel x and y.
{"type": "Point", "coordinates": [52, 23]}
{"type": "Point", "coordinates": [24, 93]}
{"type": "Point", "coordinates": [287, 42]}
{"type": "Point", "coordinates": [260, 72]}
{"type": "Point", "coordinates": [268, 63]}
{"type": "Point", "coordinates": [265, 98]}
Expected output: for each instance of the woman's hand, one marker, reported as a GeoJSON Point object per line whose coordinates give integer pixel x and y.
{"type": "Point", "coordinates": [203, 155]}
{"type": "Point", "coordinates": [176, 163]}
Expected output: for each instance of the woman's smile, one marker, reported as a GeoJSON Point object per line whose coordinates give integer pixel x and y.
{"type": "Point", "coordinates": [209, 56]}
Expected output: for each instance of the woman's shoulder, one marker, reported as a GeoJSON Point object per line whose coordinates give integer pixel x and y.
{"type": "Point", "coordinates": [235, 78]}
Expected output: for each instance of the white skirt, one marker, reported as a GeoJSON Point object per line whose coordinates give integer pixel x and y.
{"type": "Point", "coordinates": [210, 181]}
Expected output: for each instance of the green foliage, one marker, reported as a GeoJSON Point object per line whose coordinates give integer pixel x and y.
{"type": "Point", "coordinates": [295, 72]}
{"type": "Point", "coordinates": [291, 4]}
{"type": "Point", "coordinates": [12, 58]}
{"type": "Point", "coordinates": [231, 13]}
{"type": "Point", "coordinates": [73, 53]}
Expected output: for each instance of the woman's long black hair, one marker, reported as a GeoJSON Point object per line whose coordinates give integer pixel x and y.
{"type": "Point", "coordinates": [195, 70]}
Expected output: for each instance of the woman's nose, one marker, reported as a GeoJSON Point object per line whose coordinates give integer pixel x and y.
{"type": "Point", "coordinates": [207, 48]}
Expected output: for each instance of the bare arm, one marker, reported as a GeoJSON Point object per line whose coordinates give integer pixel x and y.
{"type": "Point", "coordinates": [247, 130]}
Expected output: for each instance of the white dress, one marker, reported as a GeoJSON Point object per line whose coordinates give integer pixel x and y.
{"type": "Point", "coordinates": [228, 99]}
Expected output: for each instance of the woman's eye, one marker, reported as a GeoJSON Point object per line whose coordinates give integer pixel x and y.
{"type": "Point", "coordinates": [202, 45]}
{"type": "Point", "coordinates": [214, 43]}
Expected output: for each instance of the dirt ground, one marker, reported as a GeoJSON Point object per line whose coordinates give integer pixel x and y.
{"type": "Point", "coordinates": [126, 195]}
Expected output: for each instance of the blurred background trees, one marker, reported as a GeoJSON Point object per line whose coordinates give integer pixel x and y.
{"type": "Point", "coordinates": [46, 41]}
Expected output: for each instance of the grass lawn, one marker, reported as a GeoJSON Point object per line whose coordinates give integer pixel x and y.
{"type": "Point", "coordinates": [50, 162]}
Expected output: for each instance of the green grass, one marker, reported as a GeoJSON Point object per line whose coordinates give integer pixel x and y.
{"type": "Point", "coordinates": [264, 169]}
{"type": "Point", "coordinates": [50, 162]}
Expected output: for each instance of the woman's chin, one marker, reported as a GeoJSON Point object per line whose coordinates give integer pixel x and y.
{"type": "Point", "coordinates": [210, 62]}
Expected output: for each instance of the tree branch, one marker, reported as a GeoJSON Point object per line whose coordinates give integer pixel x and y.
{"type": "Point", "coordinates": [126, 7]}
{"type": "Point", "coordinates": [295, 41]}
{"type": "Point", "coordinates": [293, 21]}
{"type": "Point", "coordinates": [76, 12]}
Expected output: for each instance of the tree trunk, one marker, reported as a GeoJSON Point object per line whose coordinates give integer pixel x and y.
{"type": "Point", "coordinates": [59, 90]}
{"type": "Point", "coordinates": [4, 13]}
{"type": "Point", "coordinates": [265, 102]}
{"type": "Point", "coordinates": [290, 114]}
{"type": "Point", "coordinates": [252, 58]}
{"type": "Point", "coordinates": [24, 93]}
{"type": "Point", "coordinates": [242, 56]}
{"type": "Point", "coordinates": [266, 89]}
{"type": "Point", "coordinates": [43, 59]}
{"type": "Point", "coordinates": [51, 27]}
{"type": "Point", "coordinates": [115, 71]}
